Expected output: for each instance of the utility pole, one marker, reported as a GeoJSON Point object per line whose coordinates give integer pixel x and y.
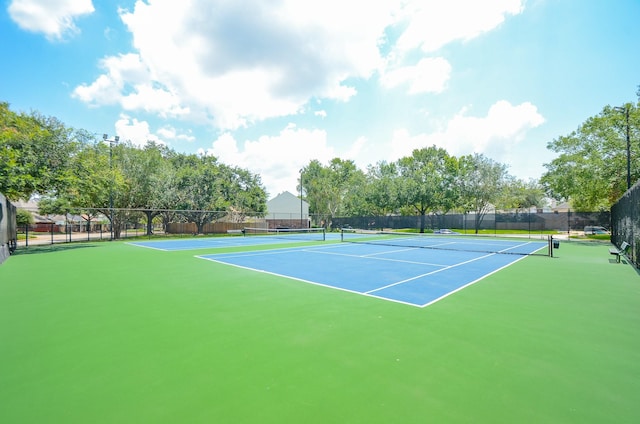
{"type": "Point", "coordinates": [105, 137]}
{"type": "Point", "coordinates": [301, 218]}
{"type": "Point", "coordinates": [626, 111]}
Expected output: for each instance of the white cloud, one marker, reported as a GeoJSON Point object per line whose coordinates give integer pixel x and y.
{"type": "Point", "coordinates": [242, 62]}
{"type": "Point", "coordinates": [495, 134]}
{"type": "Point", "coordinates": [137, 132]}
{"type": "Point", "coordinates": [170, 133]}
{"type": "Point", "coordinates": [53, 18]}
{"type": "Point", "coordinates": [277, 159]}
{"type": "Point", "coordinates": [429, 25]}
{"type": "Point", "coordinates": [433, 24]}
{"type": "Point", "coordinates": [355, 150]}
{"type": "Point", "coordinates": [430, 75]}
{"type": "Point", "coordinates": [103, 91]}
{"type": "Point", "coordinates": [127, 82]}
{"type": "Point", "coordinates": [235, 63]}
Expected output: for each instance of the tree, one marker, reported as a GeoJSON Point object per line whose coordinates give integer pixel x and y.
{"type": "Point", "coordinates": [330, 189]}
{"type": "Point", "coordinates": [144, 169]}
{"type": "Point", "coordinates": [383, 188]}
{"type": "Point", "coordinates": [354, 185]}
{"type": "Point", "coordinates": [33, 154]}
{"type": "Point", "coordinates": [481, 182]}
{"type": "Point", "coordinates": [246, 194]}
{"type": "Point", "coordinates": [200, 186]}
{"type": "Point", "coordinates": [24, 217]}
{"type": "Point", "coordinates": [518, 194]}
{"type": "Point", "coordinates": [591, 169]}
{"type": "Point", "coordinates": [88, 179]}
{"type": "Point", "coordinates": [428, 181]}
{"type": "Point", "coordinates": [73, 171]}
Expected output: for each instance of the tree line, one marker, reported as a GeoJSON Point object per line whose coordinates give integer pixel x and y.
{"type": "Point", "coordinates": [595, 165]}
{"type": "Point", "coordinates": [430, 181]}
{"type": "Point", "coordinates": [72, 170]}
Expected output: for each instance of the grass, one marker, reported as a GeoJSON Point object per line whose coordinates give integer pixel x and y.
{"type": "Point", "coordinates": [110, 333]}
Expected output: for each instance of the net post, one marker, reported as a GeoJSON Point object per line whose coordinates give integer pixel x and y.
{"type": "Point", "coordinates": [550, 238]}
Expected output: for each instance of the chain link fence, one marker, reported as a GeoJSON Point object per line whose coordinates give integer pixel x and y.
{"type": "Point", "coordinates": [533, 222]}
{"type": "Point", "coordinates": [96, 225]}
{"type": "Point", "coordinates": [8, 230]}
{"type": "Point", "coordinates": [625, 222]}
{"type": "Point", "coordinates": [129, 223]}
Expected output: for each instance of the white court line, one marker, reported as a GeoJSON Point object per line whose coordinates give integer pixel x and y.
{"type": "Point", "coordinates": [371, 256]}
{"type": "Point", "coordinates": [430, 273]}
{"type": "Point", "coordinates": [214, 243]}
{"type": "Point", "coordinates": [195, 245]}
{"type": "Point", "coordinates": [470, 283]}
{"type": "Point", "coordinates": [258, 252]}
{"type": "Point", "coordinates": [220, 258]}
{"type": "Point", "coordinates": [315, 283]}
{"type": "Point", "coordinates": [146, 247]}
{"type": "Point", "coordinates": [391, 251]}
{"type": "Point", "coordinates": [319, 250]}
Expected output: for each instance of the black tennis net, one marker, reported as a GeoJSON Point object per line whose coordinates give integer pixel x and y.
{"type": "Point", "coordinates": [512, 245]}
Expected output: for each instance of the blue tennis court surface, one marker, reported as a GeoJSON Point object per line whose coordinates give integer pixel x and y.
{"type": "Point", "coordinates": [413, 276]}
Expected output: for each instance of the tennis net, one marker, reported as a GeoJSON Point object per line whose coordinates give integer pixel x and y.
{"type": "Point", "coordinates": [511, 245]}
{"type": "Point", "coordinates": [303, 234]}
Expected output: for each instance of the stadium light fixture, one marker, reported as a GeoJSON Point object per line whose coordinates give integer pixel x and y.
{"type": "Point", "coordinates": [625, 110]}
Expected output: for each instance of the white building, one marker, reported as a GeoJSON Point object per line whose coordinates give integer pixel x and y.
{"type": "Point", "coordinates": [287, 210]}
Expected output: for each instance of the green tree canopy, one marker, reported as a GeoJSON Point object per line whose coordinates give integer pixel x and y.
{"type": "Point", "coordinates": [481, 183]}
{"type": "Point", "coordinates": [35, 152]}
{"type": "Point", "coordinates": [331, 190]}
{"type": "Point", "coordinates": [427, 181]}
{"type": "Point", "coordinates": [382, 190]}
{"type": "Point", "coordinates": [591, 169]}
{"type": "Point", "coordinates": [72, 171]}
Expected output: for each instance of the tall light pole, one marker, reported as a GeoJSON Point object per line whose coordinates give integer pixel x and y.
{"type": "Point", "coordinates": [105, 137]}
{"type": "Point", "coordinates": [626, 111]}
{"type": "Point", "coordinates": [301, 220]}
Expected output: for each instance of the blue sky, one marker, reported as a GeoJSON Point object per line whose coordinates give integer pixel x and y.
{"type": "Point", "coordinates": [271, 85]}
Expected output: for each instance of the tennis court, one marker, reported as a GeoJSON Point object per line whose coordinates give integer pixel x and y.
{"type": "Point", "coordinates": [389, 267]}
{"type": "Point", "coordinates": [143, 335]}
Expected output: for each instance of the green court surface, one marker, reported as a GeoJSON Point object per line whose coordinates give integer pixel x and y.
{"type": "Point", "coordinates": [112, 333]}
